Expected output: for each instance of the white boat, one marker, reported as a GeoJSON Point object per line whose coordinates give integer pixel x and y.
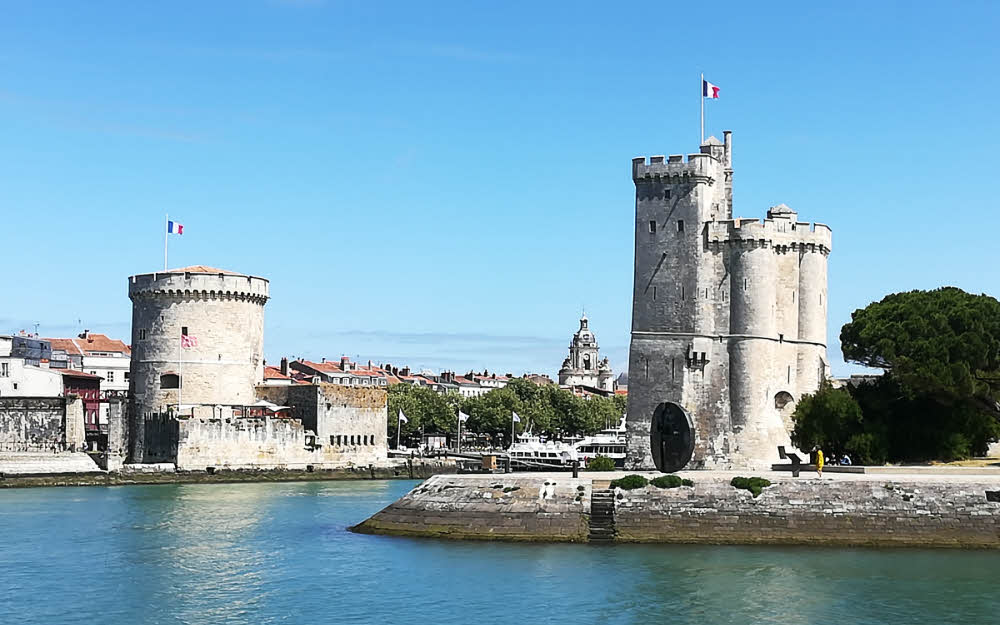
{"type": "Point", "coordinates": [610, 442]}
{"type": "Point", "coordinates": [530, 448]}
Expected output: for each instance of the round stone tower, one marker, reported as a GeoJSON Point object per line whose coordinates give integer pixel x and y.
{"type": "Point", "coordinates": [197, 340]}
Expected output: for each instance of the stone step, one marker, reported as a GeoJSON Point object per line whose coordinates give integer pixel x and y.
{"type": "Point", "coordinates": [28, 463]}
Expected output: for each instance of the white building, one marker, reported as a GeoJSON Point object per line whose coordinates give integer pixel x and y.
{"type": "Point", "coordinates": [99, 355]}
{"type": "Point", "coordinates": [20, 378]}
{"type": "Point", "coordinates": [583, 367]}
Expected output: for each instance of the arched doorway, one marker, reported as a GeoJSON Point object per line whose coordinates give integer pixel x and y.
{"type": "Point", "coordinates": [784, 403]}
{"type": "Point", "coordinates": [671, 437]}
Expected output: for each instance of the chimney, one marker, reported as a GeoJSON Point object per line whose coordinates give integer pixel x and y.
{"type": "Point", "coordinates": [84, 334]}
{"type": "Point", "coordinates": [284, 366]}
{"type": "Point", "coordinates": [406, 371]}
{"type": "Point", "coordinates": [324, 360]}
{"type": "Point", "coordinates": [369, 363]}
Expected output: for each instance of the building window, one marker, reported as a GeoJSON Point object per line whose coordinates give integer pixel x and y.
{"type": "Point", "coordinates": [652, 226]}
{"type": "Point", "coordinates": [170, 380]}
{"type": "Point", "coordinates": [680, 225]}
{"type": "Point", "coordinates": [142, 335]}
{"type": "Point", "coordinates": [654, 293]}
{"type": "Point", "coordinates": [4, 370]}
{"type": "Point", "coordinates": [126, 376]}
{"type": "Point", "coordinates": [666, 194]}
{"type": "Point", "coordinates": [111, 376]}
{"type": "Point", "coordinates": [93, 373]}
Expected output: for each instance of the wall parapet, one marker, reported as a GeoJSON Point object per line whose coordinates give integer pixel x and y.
{"type": "Point", "coordinates": [743, 232]}
{"type": "Point", "coordinates": [698, 168]}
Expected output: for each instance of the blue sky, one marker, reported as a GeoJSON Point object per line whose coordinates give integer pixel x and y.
{"type": "Point", "coordinates": [447, 184]}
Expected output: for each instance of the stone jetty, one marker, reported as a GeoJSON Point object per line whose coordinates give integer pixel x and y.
{"type": "Point", "coordinates": [957, 509]}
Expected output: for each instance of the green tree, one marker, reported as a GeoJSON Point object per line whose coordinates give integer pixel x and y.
{"type": "Point", "coordinates": [425, 410]}
{"type": "Point", "coordinates": [940, 351]}
{"type": "Point", "coordinates": [827, 419]}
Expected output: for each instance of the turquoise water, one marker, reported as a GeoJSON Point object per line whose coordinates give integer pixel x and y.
{"type": "Point", "coordinates": [280, 553]}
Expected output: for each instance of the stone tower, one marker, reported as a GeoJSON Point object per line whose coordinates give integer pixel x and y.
{"type": "Point", "coordinates": [224, 313]}
{"type": "Point", "coordinates": [728, 318]}
{"type": "Point", "coordinates": [583, 366]}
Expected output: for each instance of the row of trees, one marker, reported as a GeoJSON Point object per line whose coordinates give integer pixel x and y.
{"type": "Point", "coordinates": [548, 410]}
{"type": "Point", "coordinates": [938, 398]}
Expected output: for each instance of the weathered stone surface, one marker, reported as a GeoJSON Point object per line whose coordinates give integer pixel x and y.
{"type": "Point", "coordinates": [489, 507]}
{"type": "Point", "coordinates": [728, 315]}
{"type": "Point", "coordinates": [864, 513]}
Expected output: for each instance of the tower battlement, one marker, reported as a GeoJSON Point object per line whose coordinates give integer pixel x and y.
{"type": "Point", "coordinates": [703, 167]}
{"type": "Point", "coordinates": [771, 232]}
{"type": "Point", "coordinates": [199, 282]}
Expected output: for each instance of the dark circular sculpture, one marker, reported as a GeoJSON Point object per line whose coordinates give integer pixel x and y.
{"type": "Point", "coordinates": [671, 437]}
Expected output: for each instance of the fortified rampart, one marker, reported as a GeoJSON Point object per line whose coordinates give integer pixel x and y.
{"type": "Point", "coordinates": [728, 318]}
{"type": "Point", "coordinates": [880, 511]}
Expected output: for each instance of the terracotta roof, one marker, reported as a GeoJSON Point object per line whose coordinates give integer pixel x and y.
{"type": "Point", "coordinates": [204, 269]}
{"type": "Point", "coordinates": [93, 343]}
{"type": "Point", "coordinates": [621, 391]}
{"type": "Point", "coordinates": [72, 373]}
{"type": "Point", "coordinates": [274, 373]}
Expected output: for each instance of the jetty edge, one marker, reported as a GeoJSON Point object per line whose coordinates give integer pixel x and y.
{"type": "Point", "coordinates": [960, 511]}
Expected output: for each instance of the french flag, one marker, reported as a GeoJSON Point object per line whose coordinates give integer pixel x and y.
{"type": "Point", "coordinates": [708, 90]}
{"type": "Point", "coordinates": [175, 228]}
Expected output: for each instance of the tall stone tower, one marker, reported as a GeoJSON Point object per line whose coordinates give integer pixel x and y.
{"type": "Point", "coordinates": [223, 312]}
{"type": "Point", "coordinates": [582, 366]}
{"type": "Point", "coordinates": [728, 318]}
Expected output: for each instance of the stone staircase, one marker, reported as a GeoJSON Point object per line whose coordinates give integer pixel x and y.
{"type": "Point", "coordinates": [602, 515]}
{"type": "Point", "coordinates": [41, 463]}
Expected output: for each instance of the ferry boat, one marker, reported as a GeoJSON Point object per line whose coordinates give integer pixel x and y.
{"type": "Point", "coordinates": [530, 448]}
{"type": "Point", "coordinates": [610, 442]}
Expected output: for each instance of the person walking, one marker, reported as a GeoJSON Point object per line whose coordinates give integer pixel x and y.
{"type": "Point", "coordinates": [819, 462]}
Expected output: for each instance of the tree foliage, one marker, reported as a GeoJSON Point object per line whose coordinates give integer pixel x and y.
{"type": "Point", "coordinates": [943, 343]}
{"type": "Point", "coordinates": [547, 410]}
{"type": "Point", "coordinates": [827, 418]}
{"type": "Point", "coordinates": [937, 400]}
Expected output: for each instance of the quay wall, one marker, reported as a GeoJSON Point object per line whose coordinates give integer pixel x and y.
{"type": "Point", "coordinates": [879, 512]}
{"type": "Point", "coordinates": [489, 507]}
{"type": "Point", "coordinates": [263, 443]}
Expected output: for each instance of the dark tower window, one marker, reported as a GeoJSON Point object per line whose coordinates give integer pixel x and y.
{"type": "Point", "coordinates": [170, 380]}
{"type": "Point", "coordinates": [652, 226]}
{"type": "Point", "coordinates": [680, 225]}
{"type": "Point", "coordinates": [666, 194]}
{"type": "Point", "coordinates": [184, 330]}
{"type": "Point", "coordinates": [586, 361]}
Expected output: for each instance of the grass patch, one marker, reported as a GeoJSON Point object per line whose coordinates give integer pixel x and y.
{"type": "Point", "coordinates": [755, 485]}
{"type": "Point", "coordinates": [629, 482]}
{"type": "Point", "coordinates": [670, 481]}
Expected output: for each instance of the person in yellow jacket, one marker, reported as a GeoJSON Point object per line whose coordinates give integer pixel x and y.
{"type": "Point", "coordinates": [819, 461]}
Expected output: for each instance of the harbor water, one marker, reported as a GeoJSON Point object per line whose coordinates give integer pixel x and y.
{"type": "Point", "coordinates": [281, 553]}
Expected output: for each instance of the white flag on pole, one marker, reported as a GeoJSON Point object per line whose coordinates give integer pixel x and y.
{"type": "Point", "coordinates": [462, 416]}
{"type": "Point", "coordinates": [517, 419]}
{"type": "Point", "coordinates": [402, 417]}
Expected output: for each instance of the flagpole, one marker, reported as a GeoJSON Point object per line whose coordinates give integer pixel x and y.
{"type": "Point", "coordinates": [180, 371]}
{"type": "Point", "coordinates": [701, 93]}
{"type": "Point", "coordinates": [459, 431]}
{"type": "Point", "coordinates": [166, 237]}
{"type": "Point", "coordinates": [399, 425]}
{"type": "Point", "coordinates": [512, 429]}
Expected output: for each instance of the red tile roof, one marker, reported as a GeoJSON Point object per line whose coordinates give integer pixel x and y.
{"type": "Point", "coordinates": [204, 269]}
{"type": "Point", "coordinates": [72, 373]}
{"type": "Point", "coordinates": [274, 373]}
{"type": "Point", "coordinates": [93, 343]}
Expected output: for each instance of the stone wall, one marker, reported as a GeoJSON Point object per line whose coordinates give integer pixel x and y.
{"type": "Point", "coordinates": [866, 513]}
{"type": "Point", "coordinates": [875, 512]}
{"type": "Point", "coordinates": [261, 443]}
{"type": "Point", "coordinates": [32, 423]}
{"type": "Point", "coordinates": [489, 508]}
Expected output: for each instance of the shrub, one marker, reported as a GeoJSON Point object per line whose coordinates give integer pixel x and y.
{"type": "Point", "coordinates": [629, 482]}
{"type": "Point", "coordinates": [600, 463]}
{"type": "Point", "coordinates": [670, 481]}
{"type": "Point", "coordinates": [755, 485]}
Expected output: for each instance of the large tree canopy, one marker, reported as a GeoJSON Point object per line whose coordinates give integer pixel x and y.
{"type": "Point", "coordinates": [944, 343]}
{"type": "Point", "coordinates": [941, 354]}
